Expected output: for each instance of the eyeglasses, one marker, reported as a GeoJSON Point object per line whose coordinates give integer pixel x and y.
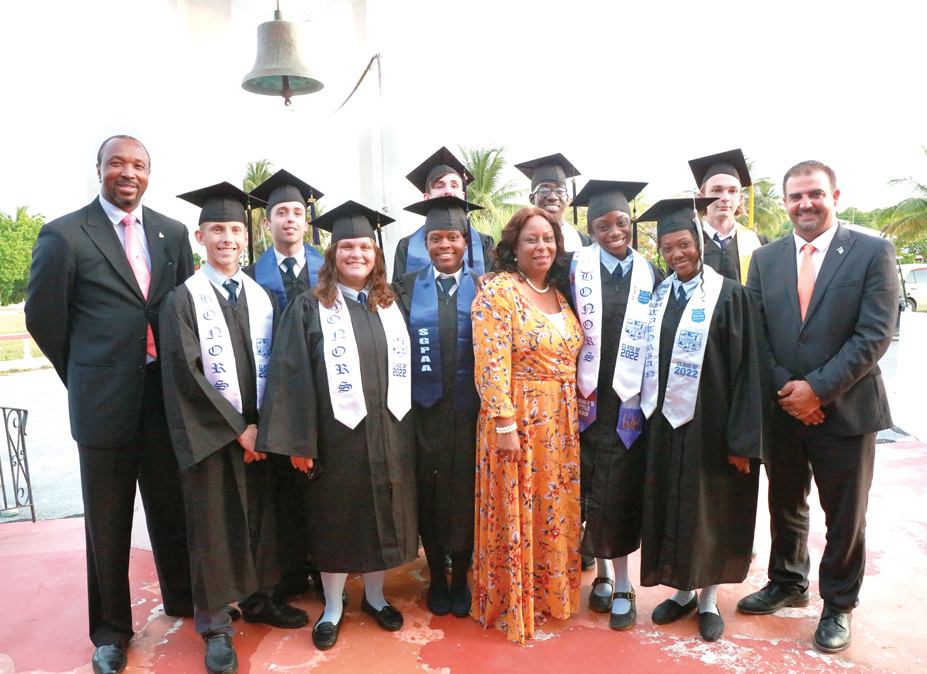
{"type": "Point", "coordinates": [559, 192]}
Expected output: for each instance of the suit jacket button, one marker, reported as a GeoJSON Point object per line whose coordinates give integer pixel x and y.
{"type": "Point", "coordinates": [142, 340]}
{"type": "Point", "coordinates": [801, 344]}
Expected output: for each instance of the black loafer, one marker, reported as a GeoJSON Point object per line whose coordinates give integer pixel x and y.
{"type": "Point", "coordinates": [624, 621]}
{"type": "Point", "coordinates": [588, 563]}
{"type": "Point", "coordinates": [601, 603]}
{"type": "Point", "coordinates": [439, 598]}
{"type": "Point", "coordinates": [670, 611]}
{"type": "Point", "coordinates": [109, 659]}
{"type": "Point", "coordinates": [387, 617]}
{"type": "Point", "coordinates": [461, 601]}
{"type": "Point", "coordinates": [272, 612]}
{"type": "Point", "coordinates": [771, 598]}
{"type": "Point", "coordinates": [325, 635]}
{"type": "Point", "coordinates": [220, 655]}
{"type": "Point", "coordinates": [710, 626]}
{"type": "Point", "coordinates": [833, 632]}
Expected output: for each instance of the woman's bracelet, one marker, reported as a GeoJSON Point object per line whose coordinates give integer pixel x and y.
{"type": "Point", "coordinates": [506, 429]}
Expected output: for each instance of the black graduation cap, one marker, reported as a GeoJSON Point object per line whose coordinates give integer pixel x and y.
{"type": "Point", "coordinates": [675, 215]}
{"type": "Point", "coordinates": [605, 196]}
{"type": "Point", "coordinates": [437, 165]}
{"type": "Point", "coordinates": [283, 187]}
{"type": "Point", "coordinates": [222, 202]}
{"type": "Point", "coordinates": [732, 163]}
{"type": "Point", "coordinates": [448, 212]}
{"type": "Point", "coordinates": [352, 220]}
{"type": "Point", "coordinates": [553, 168]}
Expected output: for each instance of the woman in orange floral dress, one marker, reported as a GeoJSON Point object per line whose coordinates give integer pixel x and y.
{"type": "Point", "coordinates": [526, 340]}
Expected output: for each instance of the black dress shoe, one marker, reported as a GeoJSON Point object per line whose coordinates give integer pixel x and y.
{"type": "Point", "coordinates": [833, 632]}
{"type": "Point", "coordinates": [588, 562]}
{"type": "Point", "coordinates": [325, 635]}
{"type": "Point", "coordinates": [220, 654]}
{"type": "Point", "coordinates": [670, 611]}
{"type": "Point", "coordinates": [624, 621]}
{"type": "Point", "coordinates": [773, 597]}
{"type": "Point", "coordinates": [601, 603]}
{"type": "Point", "coordinates": [272, 612]}
{"type": "Point", "coordinates": [387, 617]}
{"type": "Point", "coordinates": [439, 598]}
{"type": "Point", "coordinates": [109, 659]}
{"type": "Point", "coordinates": [461, 601]}
{"type": "Point", "coordinates": [710, 626]}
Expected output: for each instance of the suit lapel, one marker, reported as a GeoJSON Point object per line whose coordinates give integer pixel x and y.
{"type": "Point", "coordinates": [788, 272]}
{"type": "Point", "coordinates": [101, 231]}
{"type": "Point", "coordinates": [838, 250]}
{"type": "Point", "coordinates": [156, 241]}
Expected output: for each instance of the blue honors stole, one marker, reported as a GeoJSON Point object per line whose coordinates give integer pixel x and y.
{"type": "Point", "coordinates": [424, 330]}
{"type": "Point", "coordinates": [418, 257]}
{"type": "Point", "coordinates": [267, 272]}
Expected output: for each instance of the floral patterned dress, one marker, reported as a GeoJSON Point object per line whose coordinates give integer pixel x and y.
{"type": "Point", "coordinates": [528, 531]}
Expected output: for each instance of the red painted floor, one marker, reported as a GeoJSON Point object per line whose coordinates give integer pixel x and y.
{"type": "Point", "coordinates": [43, 613]}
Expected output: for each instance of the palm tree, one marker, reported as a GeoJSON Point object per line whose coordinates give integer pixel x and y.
{"type": "Point", "coordinates": [768, 211]}
{"type": "Point", "coordinates": [485, 165]}
{"type": "Point", "coordinates": [256, 173]}
{"type": "Point", "coordinates": [907, 221]}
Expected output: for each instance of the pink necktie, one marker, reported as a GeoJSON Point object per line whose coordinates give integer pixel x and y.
{"type": "Point", "coordinates": [805, 279]}
{"type": "Point", "coordinates": [141, 271]}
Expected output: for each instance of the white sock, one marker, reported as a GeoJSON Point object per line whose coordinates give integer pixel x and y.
{"type": "Point", "coordinates": [603, 570]}
{"type": "Point", "coordinates": [683, 597]}
{"type": "Point", "coordinates": [333, 585]}
{"type": "Point", "coordinates": [373, 589]}
{"type": "Point", "coordinates": [622, 584]}
{"type": "Point", "coordinates": [708, 600]}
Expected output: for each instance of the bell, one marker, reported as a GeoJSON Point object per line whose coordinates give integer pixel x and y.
{"type": "Point", "coordinates": [279, 69]}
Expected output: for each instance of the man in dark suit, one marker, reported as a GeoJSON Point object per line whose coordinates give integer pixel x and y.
{"type": "Point", "coordinates": [98, 277]}
{"type": "Point", "coordinates": [828, 300]}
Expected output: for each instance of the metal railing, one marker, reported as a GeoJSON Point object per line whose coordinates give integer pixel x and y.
{"type": "Point", "coordinates": [16, 488]}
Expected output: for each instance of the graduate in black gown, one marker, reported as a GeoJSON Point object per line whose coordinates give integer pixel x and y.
{"type": "Point", "coordinates": [289, 268]}
{"type": "Point", "coordinates": [440, 175]}
{"type": "Point", "coordinates": [216, 336]}
{"type": "Point", "coordinates": [337, 402]}
{"type": "Point", "coordinates": [549, 190]}
{"type": "Point", "coordinates": [728, 246]}
{"type": "Point", "coordinates": [703, 399]}
{"type": "Point", "coordinates": [436, 301]}
{"type": "Point", "coordinates": [611, 286]}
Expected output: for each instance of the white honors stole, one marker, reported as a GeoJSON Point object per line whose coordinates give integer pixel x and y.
{"type": "Point", "coordinates": [342, 362]}
{"type": "Point", "coordinates": [215, 344]}
{"type": "Point", "coordinates": [688, 349]}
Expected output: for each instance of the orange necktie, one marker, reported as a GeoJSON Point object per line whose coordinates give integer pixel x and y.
{"type": "Point", "coordinates": [141, 271]}
{"type": "Point", "coordinates": [805, 280]}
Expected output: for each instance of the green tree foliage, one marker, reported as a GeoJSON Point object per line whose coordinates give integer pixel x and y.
{"type": "Point", "coordinates": [255, 173]}
{"type": "Point", "coordinates": [17, 238]}
{"type": "Point", "coordinates": [768, 209]}
{"type": "Point", "coordinates": [906, 222]}
{"type": "Point", "coordinates": [486, 164]}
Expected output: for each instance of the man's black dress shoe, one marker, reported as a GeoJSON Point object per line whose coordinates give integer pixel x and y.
{"type": "Point", "coordinates": [670, 611]}
{"type": "Point", "coordinates": [387, 617]}
{"type": "Point", "coordinates": [601, 603]}
{"type": "Point", "coordinates": [109, 659]}
{"type": "Point", "coordinates": [272, 612]}
{"type": "Point", "coordinates": [325, 635]}
{"type": "Point", "coordinates": [624, 621]}
{"type": "Point", "coordinates": [710, 626]}
{"type": "Point", "coordinates": [439, 598]}
{"type": "Point", "coordinates": [833, 632]}
{"type": "Point", "coordinates": [461, 601]}
{"type": "Point", "coordinates": [773, 597]}
{"type": "Point", "coordinates": [220, 654]}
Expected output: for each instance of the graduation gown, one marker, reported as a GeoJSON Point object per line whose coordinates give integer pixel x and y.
{"type": "Point", "coordinates": [612, 476]}
{"type": "Point", "coordinates": [445, 436]}
{"type": "Point", "coordinates": [292, 289]}
{"type": "Point", "coordinates": [361, 509]}
{"type": "Point", "coordinates": [726, 262]}
{"type": "Point", "coordinates": [402, 254]}
{"type": "Point", "coordinates": [231, 523]}
{"type": "Point", "coordinates": [699, 511]}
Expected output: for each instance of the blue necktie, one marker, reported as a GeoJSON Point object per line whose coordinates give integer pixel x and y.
{"type": "Point", "coordinates": [231, 286]}
{"type": "Point", "coordinates": [447, 284]}
{"type": "Point", "coordinates": [722, 243]}
{"type": "Point", "coordinates": [681, 298]}
{"type": "Point", "coordinates": [362, 299]}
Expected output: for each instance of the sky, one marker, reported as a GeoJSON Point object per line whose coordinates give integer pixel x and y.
{"type": "Point", "coordinates": [627, 91]}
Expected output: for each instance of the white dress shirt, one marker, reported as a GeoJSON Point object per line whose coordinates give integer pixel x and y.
{"type": "Point", "coordinates": [116, 215]}
{"type": "Point", "coordinates": [821, 244]}
{"type": "Point", "coordinates": [611, 262]}
{"type": "Point", "coordinates": [300, 258]}
{"type": "Point", "coordinates": [714, 234]}
{"type": "Point", "coordinates": [456, 276]}
{"type": "Point", "coordinates": [217, 278]}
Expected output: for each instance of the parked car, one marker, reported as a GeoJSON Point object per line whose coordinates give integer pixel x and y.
{"type": "Point", "coordinates": [915, 285]}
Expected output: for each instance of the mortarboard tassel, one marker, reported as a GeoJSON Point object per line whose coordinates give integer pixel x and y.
{"type": "Point", "coordinates": [575, 209]}
{"type": "Point", "coordinates": [469, 228]}
{"type": "Point", "coordinates": [750, 221]}
{"type": "Point", "coordinates": [316, 239]}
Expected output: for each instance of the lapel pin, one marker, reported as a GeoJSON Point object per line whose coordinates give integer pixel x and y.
{"type": "Point", "coordinates": [840, 250]}
{"type": "Point", "coordinates": [161, 236]}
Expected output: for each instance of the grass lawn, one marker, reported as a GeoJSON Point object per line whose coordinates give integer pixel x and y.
{"type": "Point", "coordinates": [13, 321]}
